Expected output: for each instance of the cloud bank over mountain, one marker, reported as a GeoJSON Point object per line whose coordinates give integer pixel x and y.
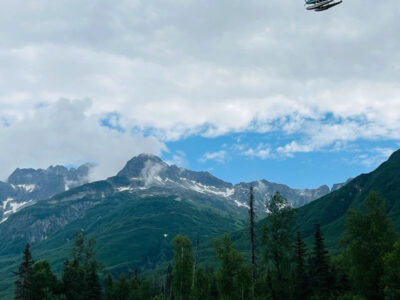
{"type": "Point", "coordinates": [174, 69]}
{"type": "Point", "coordinates": [63, 133]}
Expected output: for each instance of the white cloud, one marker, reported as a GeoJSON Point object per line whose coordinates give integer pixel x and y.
{"type": "Point", "coordinates": [64, 133]}
{"type": "Point", "coordinates": [179, 68]}
{"type": "Point", "coordinates": [317, 135]}
{"type": "Point", "coordinates": [261, 151]}
{"type": "Point", "coordinates": [218, 156]}
{"type": "Point", "coordinates": [150, 171]}
{"type": "Point", "coordinates": [375, 156]}
{"type": "Point", "coordinates": [178, 158]}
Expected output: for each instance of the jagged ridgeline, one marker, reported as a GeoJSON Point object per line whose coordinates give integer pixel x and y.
{"type": "Point", "coordinates": [133, 215]}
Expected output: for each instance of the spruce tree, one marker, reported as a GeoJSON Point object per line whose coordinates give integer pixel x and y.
{"type": "Point", "coordinates": [234, 281]}
{"type": "Point", "coordinates": [200, 287]}
{"type": "Point", "coordinates": [367, 239]}
{"type": "Point", "coordinates": [80, 273]}
{"type": "Point", "coordinates": [45, 284]}
{"type": "Point", "coordinates": [93, 283]}
{"type": "Point", "coordinates": [73, 279]}
{"type": "Point", "coordinates": [278, 240]}
{"type": "Point", "coordinates": [300, 275]}
{"type": "Point", "coordinates": [183, 270]}
{"type": "Point", "coordinates": [108, 288]}
{"type": "Point", "coordinates": [391, 280]}
{"type": "Point", "coordinates": [320, 272]}
{"type": "Point", "coordinates": [23, 284]}
{"type": "Point", "coordinates": [122, 289]}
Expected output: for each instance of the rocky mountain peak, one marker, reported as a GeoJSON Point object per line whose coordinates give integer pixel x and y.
{"type": "Point", "coordinates": [139, 165]}
{"type": "Point", "coordinates": [27, 186]}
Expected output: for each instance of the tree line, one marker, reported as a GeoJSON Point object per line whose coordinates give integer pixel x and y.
{"type": "Point", "coordinates": [281, 266]}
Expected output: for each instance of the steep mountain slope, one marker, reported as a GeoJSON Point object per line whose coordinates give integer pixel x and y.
{"type": "Point", "coordinates": [143, 177]}
{"type": "Point", "coordinates": [132, 219]}
{"type": "Point", "coordinates": [134, 215]}
{"type": "Point", "coordinates": [25, 187]}
{"type": "Point", "coordinates": [330, 210]}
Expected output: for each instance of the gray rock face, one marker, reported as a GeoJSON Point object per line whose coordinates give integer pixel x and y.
{"type": "Point", "coordinates": [146, 171]}
{"type": "Point", "coordinates": [142, 177]}
{"type": "Point", "coordinates": [25, 187]}
{"type": "Point", "coordinates": [263, 190]}
{"type": "Point", "coordinates": [337, 186]}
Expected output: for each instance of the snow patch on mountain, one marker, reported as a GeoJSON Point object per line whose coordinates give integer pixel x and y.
{"type": "Point", "coordinates": [27, 187]}
{"type": "Point", "coordinates": [124, 188]}
{"type": "Point", "coordinates": [5, 202]}
{"type": "Point", "coordinates": [240, 204]}
{"type": "Point", "coordinates": [206, 189]}
{"type": "Point", "coordinates": [16, 206]}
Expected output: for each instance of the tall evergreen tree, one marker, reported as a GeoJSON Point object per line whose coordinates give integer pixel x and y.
{"type": "Point", "coordinates": [108, 288]}
{"type": "Point", "coordinates": [391, 280]}
{"type": "Point", "coordinates": [231, 276]}
{"type": "Point", "coordinates": [201, 286]}
{"type": "Point", "coordinates": [300, 275]}
{"type": "Point", "coordinates": [45, 284]}
{"type": "Point", "coordinates": [80, 274]}
{"type": "Point", "coordinates": [73, 279]}
{"type": "Point", "coordinates": [183, 270]}
{"type": "Point", "coordinates": [278, 245]}
{"type": "Point", "coordinates": [367, 239]}
{"type": "Point", "coordinates": [319, 268]}
{"type": "Point", "coordinates": [252, 234]}
{"type": "Point", "coordinates": [93, 282]}
{"type": "Point", "coordinates": [122, 289]}
{"type": "Point", "coordinates": [23, 284]}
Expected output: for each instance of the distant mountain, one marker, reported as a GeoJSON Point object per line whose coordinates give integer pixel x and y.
{"type": "Point", "coordinates": [133, 215]}
{"type": "Point", "coordinates": [25, 187]}
{"type": "Point", "coordinates": [144, 176]}
{"type": "Point", "coordinates": [147, 188]}
{"type": "Point", "coordinates": [147, 170]}
{"type": "Point", "coordinates": [330, 210]}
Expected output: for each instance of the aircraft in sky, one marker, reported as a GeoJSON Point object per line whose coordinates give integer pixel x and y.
{"type": "Point", "coordinates": [320, 5]}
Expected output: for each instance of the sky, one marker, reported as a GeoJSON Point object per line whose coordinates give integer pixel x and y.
{"type": "Point", "coordinates": [244, 89]}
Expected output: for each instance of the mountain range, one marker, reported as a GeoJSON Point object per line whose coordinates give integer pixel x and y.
{"type": "Point", "coordinates": [25, 187]}
{"type": "Point", "coordinates": [133, 215]}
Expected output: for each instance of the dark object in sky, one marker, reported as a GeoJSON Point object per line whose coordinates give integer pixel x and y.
{"type": "Point", "coordinates": [320, 5]}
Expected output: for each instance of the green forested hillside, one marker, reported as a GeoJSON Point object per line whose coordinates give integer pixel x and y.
{"type": "Point", "coordinates": [132, 231]}
{"type": "Point", "coordinates": [330, 210]}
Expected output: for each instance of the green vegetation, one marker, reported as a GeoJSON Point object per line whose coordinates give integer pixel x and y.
{"type": "Point", "coordinates": [342, 246]}
{"type": "Point", "coordinates": [152, 222]}
{"type": "Point", "coordinates": [330, 210]}
{"type": "Point", "coordinates": [366, 268]}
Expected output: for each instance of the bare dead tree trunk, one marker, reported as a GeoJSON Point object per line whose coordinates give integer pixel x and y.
{"type": "Point", "coordinates": [252, 234]}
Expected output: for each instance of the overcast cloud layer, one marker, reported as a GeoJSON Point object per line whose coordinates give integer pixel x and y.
{"type": "Point", "coordinates": [171, 69]}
